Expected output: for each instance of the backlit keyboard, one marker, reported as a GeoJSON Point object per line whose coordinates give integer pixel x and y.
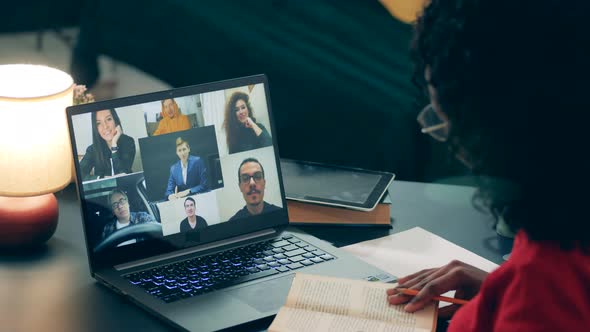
{"type": "Point", "coordinates": [203, 274]}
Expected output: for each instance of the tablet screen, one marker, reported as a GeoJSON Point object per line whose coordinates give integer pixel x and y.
{"type": "Point", "coordinates": [350, 187]}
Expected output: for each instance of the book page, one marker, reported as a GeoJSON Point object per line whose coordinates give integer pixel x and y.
{"type": "Point", "coordinates": [300, 320]}
{"type": "Point", "coordinates": [356, 299]}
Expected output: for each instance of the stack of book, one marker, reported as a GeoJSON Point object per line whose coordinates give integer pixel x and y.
{"type": "Point", "coordinates": [315, 214]}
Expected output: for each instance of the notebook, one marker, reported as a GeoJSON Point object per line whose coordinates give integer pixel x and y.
{"type": "Point", "coordinates": [183, 205]}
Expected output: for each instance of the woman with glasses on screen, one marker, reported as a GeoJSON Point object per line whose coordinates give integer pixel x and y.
{"type": "Point", "coordinates": [507, 82]}
{"type": "Point", "coordinates": [242, 130]}
{"type": "Point", "coordinates": [112, 152]}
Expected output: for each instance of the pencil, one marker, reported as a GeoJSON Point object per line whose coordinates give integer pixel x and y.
{"type": "Point", "coordinates": [414, 292]}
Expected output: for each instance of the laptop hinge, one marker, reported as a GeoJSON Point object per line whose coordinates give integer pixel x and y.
{"type": "Point", "coordinates": [192, 250]}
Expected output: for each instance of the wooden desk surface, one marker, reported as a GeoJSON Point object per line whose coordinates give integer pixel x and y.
{"type": "Point", "coordinates": [51, 289]}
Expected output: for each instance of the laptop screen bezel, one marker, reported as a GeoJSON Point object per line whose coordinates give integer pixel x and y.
{"type": "Point", "coordinates": [171, 243]}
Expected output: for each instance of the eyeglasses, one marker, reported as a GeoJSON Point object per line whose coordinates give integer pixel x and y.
{"type": "Point", "coordinates": [433, 124]}
{"type": "Point", "coordinates": [118, 203]}
{"type": "Point", "coordinates": [245, 178]}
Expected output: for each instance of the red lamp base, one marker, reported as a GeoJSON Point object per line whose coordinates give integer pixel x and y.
{"type": "Point", "coordinates": [27, 221]}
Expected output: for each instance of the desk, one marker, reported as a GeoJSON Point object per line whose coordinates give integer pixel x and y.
{"type": "Point", "coordinates": [51, 289]}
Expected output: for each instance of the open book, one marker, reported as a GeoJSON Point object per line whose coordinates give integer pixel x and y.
{"type": "Point", "coordinates": [318, 303]}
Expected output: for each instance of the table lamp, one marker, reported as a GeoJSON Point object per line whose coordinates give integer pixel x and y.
{"type": "Point", "coordinates": [35, 155]}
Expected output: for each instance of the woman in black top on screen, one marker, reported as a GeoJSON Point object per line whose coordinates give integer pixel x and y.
{"type": "Point", "coordinates": [243, 132]}
{"type": "Point", "coordinates": [112, 152]}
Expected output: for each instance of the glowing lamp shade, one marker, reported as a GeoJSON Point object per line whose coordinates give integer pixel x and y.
{"type": "Point", "coordinates": [35, 155]}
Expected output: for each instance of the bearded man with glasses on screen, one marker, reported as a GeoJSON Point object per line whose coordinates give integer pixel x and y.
{"type": "Point", "coordinates": [252, 185]}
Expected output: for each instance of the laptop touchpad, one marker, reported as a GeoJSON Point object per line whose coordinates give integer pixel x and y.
{"type": "Point", "coordinates": [265, 296]}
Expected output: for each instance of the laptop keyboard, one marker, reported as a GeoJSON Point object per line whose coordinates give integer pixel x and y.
{"type": "Point", "coordinates": [203, 274]}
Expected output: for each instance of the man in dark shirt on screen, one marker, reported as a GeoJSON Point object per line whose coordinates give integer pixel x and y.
{"type": "Point", "coordinates": [252, 185]}
{"type": "Point", "coordinates": [192, 221]}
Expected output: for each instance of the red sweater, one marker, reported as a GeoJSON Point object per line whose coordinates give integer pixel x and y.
{"type": "Point", "coordinates": [540, 288]}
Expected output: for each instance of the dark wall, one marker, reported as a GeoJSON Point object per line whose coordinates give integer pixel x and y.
{"type": "Point", "coordinates": [340, 72]}
{"type": "Point", "coordinates": [31, 15]}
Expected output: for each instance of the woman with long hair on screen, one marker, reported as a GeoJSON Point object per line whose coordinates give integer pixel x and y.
{"type": "Point", "coordinates": [242, 130]}
{"type": "Point", "coordinates": [508, 83]}
{"type": "Point", "coordinates": [111, 152]}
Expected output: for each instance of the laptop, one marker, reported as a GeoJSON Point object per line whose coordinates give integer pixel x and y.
{"type": "Point", "coordinates": [184, 209]}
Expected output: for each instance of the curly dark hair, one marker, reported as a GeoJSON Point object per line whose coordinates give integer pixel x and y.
{"type": "Point", "coordinates": [512, 78]}
{"type": "Point", "coordinates": [231, 123]}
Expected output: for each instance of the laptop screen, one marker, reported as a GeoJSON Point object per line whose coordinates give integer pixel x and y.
{"type": "Point", "coordinates": [175, 169]}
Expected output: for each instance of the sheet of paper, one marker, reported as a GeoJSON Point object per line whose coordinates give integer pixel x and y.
{"type": "Point", "coordinates": [318, 303]}
{"type": "Point", "coordinates": [410, 251]}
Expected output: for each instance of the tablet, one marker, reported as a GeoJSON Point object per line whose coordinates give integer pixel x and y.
{"type": "Point", "coordinates": [352, 188]}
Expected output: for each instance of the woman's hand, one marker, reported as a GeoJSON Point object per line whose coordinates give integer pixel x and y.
{"type": "Point", "coordinates": [463, 278]}
{"type": "Point", "coordinates": [118, 133]}
{"type": "Point", "coordinates": [251, 124]}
